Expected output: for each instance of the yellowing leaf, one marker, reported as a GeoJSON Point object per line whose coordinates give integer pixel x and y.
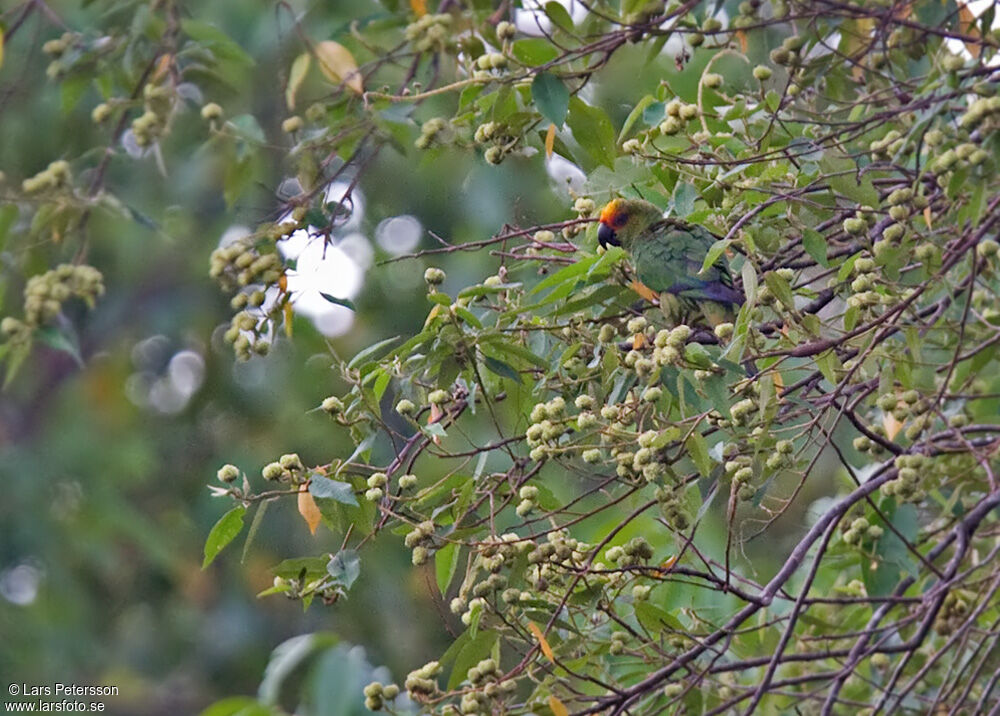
{"type": "Point", "coordinates": [927, 216]}
{"type": "Point", "coordinates": [550, 141]}
{"type": "Point", "coordinates": [433, 313]}
{"type": "Point", "coordinates": [644, 291]}
{"type": "Point", "coordinates": [338, 64]}
{"type": "Point", "coordinates": [308, 509]}
{"type": "Point", "coordinates": [543, 643]}
{"type": "Point", "coordinates": [891, 425]}
{"type": "Point", "coordinates": [296, 76]}
{"type": "Point", "coordinates": [967, 22]}
{"type": "Point", "coordinates": [287, 308]}
{"type": "Point", "coordinates": [1, 47]}
{"type": "Point", "coordinates": [558, 707]}
{"type": "Point", "coordinates": [162, 68]}
{"type": "Point", "coordinates": [742, 37]}
{"type": "Point", "coordinates": [419, 7]}
{"type": "Point", "coordinates": [638, 341]}
{"type": "Point", "coordinates": [436, 414]}
{"type": "Point", "coordinates": [668, 563]}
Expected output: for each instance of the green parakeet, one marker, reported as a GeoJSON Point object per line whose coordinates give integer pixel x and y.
{"type": "Point", "coordinates": [667, 255]}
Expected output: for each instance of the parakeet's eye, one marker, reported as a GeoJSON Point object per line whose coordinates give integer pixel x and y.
{"type": "Point", "coordinates": [619, 221]}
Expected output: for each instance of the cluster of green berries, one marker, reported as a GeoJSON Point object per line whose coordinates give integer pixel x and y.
{"type": "Point", "coordinates": [376, 488]}
{"type": "Point", "coordinates": [910, 402]}
{"type": "Point", "coordinates": [211, 112]}
{"type": "Point", "coordinates": [679, 113]}
{"type": "Point", "coordinates": [430, 32]}
{"type": "Point", "coordinates": [434, 130]}
{"type": "Point", "coordinates": [964, 154]}
{"type": "Point", "coordinates": [489, 65]}
{"type": "Point", "coordinates": [420, 683]}
{"type": "Point", "coordinates": [56, 175]}
{"type": "Point", "coordinates": [866, 279]}
{"type": "Point", "coordinates": [377, 694]}
{"type": "Point", "coordinates": [858, 224]}
{"type": "Point", "coordinates": [635, 551]}
{"type": "Point", "coordinates": [616, 645]}
{"type": "Point", "coordinates": [153, 122]}
{"type": "Point", "coordinates": [241, 264]}
{"type": "Point", "coordinates": [860, 529]}
{"type": "Point", "coordinates": [420, 540]}
{"type": "Point", "coordinates": [434, 276]}
{"type": "Point", "coordinates": [906, 485]}
{"type": "Point", "coordinates": [542, 236]}
{"type": "Point", "coordinates": [527, 494]}
{"type": "Point", "coordinates": [740, 470]}
{"type": "Point", "coordinates": [45, 293]}
{"type": "Point", "coordinates": [485, 677]}
{"type": "Point", "coordinates": [228, 473]}
{"type": "Point", "coordinates": [954, 611]}
{"type": "Point", "coordinates": [980, 110]}
{"type": "Point", "coordinates": [668, 500]}
{"type": "Point", "coordinates": [291, 125]}
{"type": "Point", "coordinates": [288, 469]}
{"type": "Point", "coordinates": [548, 424]}
{"type": "Point", "coordinates": [788, 53]}
{"type": "Point", "coordinates": [55, 49]}
{"type": "Point", "coordinates": [246, 334]}
{"type": "Point", "coordinates": [497, 136]}
{"type": "Point", "coordinates": [888, 146]}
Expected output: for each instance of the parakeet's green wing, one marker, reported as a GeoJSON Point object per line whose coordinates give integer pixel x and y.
{"type": "Point", "coordinates": [668, 257]}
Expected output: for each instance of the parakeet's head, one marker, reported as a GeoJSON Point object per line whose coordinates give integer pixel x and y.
{"type": "Point", "coordinates": [622, 220]}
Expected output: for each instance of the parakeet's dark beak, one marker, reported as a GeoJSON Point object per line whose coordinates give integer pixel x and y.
{"type": "Point", "coordinates": [606, 236]}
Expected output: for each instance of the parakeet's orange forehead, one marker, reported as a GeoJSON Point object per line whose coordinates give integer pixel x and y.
{"type": "Point", "coordinates": [611, 210]}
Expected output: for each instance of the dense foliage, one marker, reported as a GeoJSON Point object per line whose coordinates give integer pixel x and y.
{"type": "Point", "coordinates": [627, 509]}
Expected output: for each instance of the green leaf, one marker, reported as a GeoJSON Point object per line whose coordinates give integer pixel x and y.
{"type": "Point", "coordinates": [445, 564]}
{"type": "Point", "coordinates": [565, 274]}
{"type": "Point", "coordinates": [344, 567]}
{"type": "Point", "coordinates": [246, 127]}
{"type": "Point", "coordinates": [326, 489]}
{"type": "Point", "coordinates": [61, 340]}
{"type": "Point", "coordinates": [8, 215]}
{"type": "Point", "coordinates": [638, 111]}
{"type": "Point", "coordinates": [286, 658]}
{"type": "Point", "coordinates": [714, 253]}
{"type": "Point", "coordinates": [654, 620]}
{"type": "Point", "coordinates": [473, 651]}
{"type": "Point", "coordinates": [504, 370]}
{"type": "Point", "coordinates": [219, 42]}
{"type": "Point", "coordinates": [534, 51]}
{"type": "Point", "coordinates": [815, 245]}
{"type": "Point", "coordinates": [224, 532]}
{"type": "Point", "coordinates": [683, 199]}
{"type": "Point", "coordinates": [370, 351]}
{"type": "Point", "coordinates": [308, 568]}
{"type": "Point", "coordinates": [780, 288]}
{"type": "Point", "coordinates": [559, 16]}
{"type": "Point", "coordinates": [698, 451]}
{"type": "Point", "coordinates": [237, 706]}
{"type": "Point", "coordinates": [749, 276]}
{"type": "Point", "coordinates": [592, 129]}
{"type": "Point", "coordinates": [345, 302]}
{"type": "Point", "coordinates": [550, 97]}
{"type": "Point", "coordinates": [258, 517]}
{"type": "Point", "coordinates": [468, 316]}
